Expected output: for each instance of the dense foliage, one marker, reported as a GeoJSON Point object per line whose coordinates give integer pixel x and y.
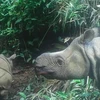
{"type": "Point", "coordinates": [26, 23]}
{"type": "Point", "coordinates": [21, 23]}
{"type": "Point", "coordinates": [59, 90]}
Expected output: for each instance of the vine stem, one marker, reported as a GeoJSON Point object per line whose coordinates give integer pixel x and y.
{"type": "Point", "coordinates": [47, 31]}
{"type": "Point", "coordinates": [44, 36]}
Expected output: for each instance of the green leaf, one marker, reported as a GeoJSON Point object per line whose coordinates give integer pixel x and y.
{"type": "Point", "coordinates": [33, 61]}
{"type": "Point", "coordinates": [4, 51]}
{"type": "Point", "coordinates": [2, 19]}
{"type": "Point", "coordinates": [33, 19]}
{"type": "Point", "coordinates": [85, 94]}
{"type": "Point", "coordinates": [28, 87]}
{"type": "Point", "coordinates": [29, 59]}
{"type": "Point", "coordinates": [22, 55]}
{"type": "Point", "coordinates": [22, 98]}
{"type": "Point", "coordinates": [22, 94]}
{"type": "Point", "coordinates": [11, 7]}
{"type": "Point", "coordinates": [47, 97]}
{"type": "Point", "coordinates": [44, 1]}
{"type": "Point", "coordinates": [61, 94]}
{"type": "Point", "coordinates": [47, 5]}
{"type": "Point", "coordinates": [75, 81]}
{"type": "Point", "coordinates": [30, 43]}
{"type": "Point", "coordinates": [19, 20]}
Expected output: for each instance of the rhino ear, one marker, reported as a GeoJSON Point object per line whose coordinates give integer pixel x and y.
{"type": "Point", "coordinates": [87, 36]}
{"type": "Point", "coordinates": [12, 57]}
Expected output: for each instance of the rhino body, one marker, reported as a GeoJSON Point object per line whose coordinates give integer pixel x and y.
{"type": "Point", "coordinates": [79, 60]}
{"type": "Point", "coordinates": [5, 75]}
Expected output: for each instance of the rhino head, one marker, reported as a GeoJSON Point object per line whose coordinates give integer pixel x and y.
{"type": "Point", "coordinates": [77, 61]}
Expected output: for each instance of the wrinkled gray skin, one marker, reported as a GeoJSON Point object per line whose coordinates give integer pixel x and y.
{"type": "Point", "coordinates": [5, 75]}
{"type": "Point", "coordinates": [79, 60]}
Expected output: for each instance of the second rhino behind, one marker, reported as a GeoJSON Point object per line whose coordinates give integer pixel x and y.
{"type": "Point", "coordinates": [6, 65]}
{"type": "Point", "coordinates": [79, 60]}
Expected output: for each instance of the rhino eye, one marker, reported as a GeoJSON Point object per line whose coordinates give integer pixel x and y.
{"type": "Point", "coordinates": [59, 61]}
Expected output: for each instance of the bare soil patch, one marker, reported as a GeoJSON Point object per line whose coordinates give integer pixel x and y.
{"type": "Point", "coordinates": [21, 80]}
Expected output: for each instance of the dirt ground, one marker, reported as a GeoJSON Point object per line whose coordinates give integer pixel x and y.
{"type": "Point", "coordinates": [21, 79]}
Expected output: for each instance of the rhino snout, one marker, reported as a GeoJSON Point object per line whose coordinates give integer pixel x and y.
{"type": "Point", "coordinates": [39, 70]}
{"type": "Point", "coordinates": [42, 71]}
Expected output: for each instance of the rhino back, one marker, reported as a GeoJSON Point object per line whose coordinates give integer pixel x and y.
{"type": "Point", "coordinates": [5, 72]}
{"type": "Point", "coordinates": [5, 64]}
{"type": "Point", "coordinates": [5, 79]}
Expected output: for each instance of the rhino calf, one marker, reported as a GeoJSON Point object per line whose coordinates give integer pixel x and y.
{"type": "Point", "coordinates": [79, 60]}
{"type": "Point", "coordinates": [5, 75]}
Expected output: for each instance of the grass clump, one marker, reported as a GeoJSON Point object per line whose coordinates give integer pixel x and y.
{"type": "Point", "coordinates": [44, 89]}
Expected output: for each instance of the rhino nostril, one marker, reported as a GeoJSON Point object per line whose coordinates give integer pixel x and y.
{"type": "Point", "coordinates": [43, 66]}
{"type": "Point", "coordinates": [38, 68]}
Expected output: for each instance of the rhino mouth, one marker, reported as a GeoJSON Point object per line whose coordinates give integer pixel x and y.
{"type": "Point", "coordinates": [43, 71]}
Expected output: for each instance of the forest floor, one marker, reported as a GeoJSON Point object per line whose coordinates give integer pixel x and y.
{"type": "Point", "coordinates": [21, 80]}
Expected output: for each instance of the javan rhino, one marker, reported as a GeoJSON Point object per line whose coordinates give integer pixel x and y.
{"type": "Point", "coordinates": [5, 75]}
{"type": "Point", "coordinates": [79, 60]}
